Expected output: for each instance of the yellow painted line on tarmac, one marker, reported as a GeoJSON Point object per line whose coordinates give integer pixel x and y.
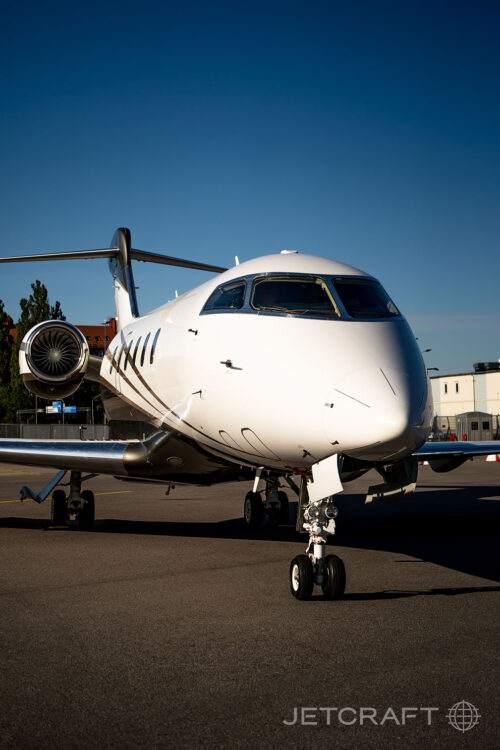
{"type": "Point", "coordinates": [31, 473]}
{"type": "Point", "coordinates": [13, 501]}
{"type": "Point", "coordinates": [115, 492]}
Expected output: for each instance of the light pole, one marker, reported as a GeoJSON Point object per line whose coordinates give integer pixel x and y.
{"type": "Point", "coordinates": [105, 323]}
{"type": "Point", "coordinates": [92, 406]}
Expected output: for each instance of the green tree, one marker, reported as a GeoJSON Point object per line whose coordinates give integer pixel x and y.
{"type": "Point", "coordinates": [34, 310]}
{"type": "Point", "coordinates": [6, 342]}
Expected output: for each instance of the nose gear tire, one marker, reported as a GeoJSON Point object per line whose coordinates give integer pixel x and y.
{"type": "Point", "coordinates": [301, 577]}
{"type": "Point", "coordinates": [333, 577]}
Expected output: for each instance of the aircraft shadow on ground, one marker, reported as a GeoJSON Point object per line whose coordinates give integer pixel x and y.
{"type": "Point", "coordinates": [402, 594]}
{"type": "Point", "coordinates": [456, 528]}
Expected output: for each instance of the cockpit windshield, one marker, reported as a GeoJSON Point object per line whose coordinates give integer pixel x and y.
{"type": "Point", "coordinates": [295, 295]}
{"type": "Point", "coordinates": [227, 297]}
{"type": "Point", "coordinates": [364, 299]}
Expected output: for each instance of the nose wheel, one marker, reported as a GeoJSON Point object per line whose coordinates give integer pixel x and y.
{"type": "Point", "coordinates": [304, 573]}
{"type": "Point", "coordinates": [301, 577]}
{"type": "Point", "coordinates": [333, 577]}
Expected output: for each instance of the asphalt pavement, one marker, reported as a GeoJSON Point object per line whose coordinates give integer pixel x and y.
{"type": "Point", "coordinates": [169, 626]}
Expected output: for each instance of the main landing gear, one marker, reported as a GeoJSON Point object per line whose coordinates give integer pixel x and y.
{"type": "Point", "coordinates": [315, 567]}
{"type": "Point", "coordinates": [274, 506]}
{"type": "Point", "coordinates": [77, 507]}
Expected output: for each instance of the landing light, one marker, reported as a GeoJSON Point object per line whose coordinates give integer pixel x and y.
{"type": "Point", "coordinates": [331, 511]}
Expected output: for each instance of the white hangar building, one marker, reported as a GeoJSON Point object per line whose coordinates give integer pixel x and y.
{"type": "Point", "coordinates": [477, 391]}
{"type": "Point", "coordinates": [467, 404]}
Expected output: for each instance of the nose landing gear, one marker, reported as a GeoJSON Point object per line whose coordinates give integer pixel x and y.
{"type": "Point", "coordinates": [315, 567]}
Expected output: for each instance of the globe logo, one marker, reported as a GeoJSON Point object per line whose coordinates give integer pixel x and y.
{"type": "Point", "coordinates": [463, 716]}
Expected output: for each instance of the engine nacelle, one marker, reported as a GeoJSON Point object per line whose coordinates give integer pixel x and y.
{"type": "Point", "coordinates": [53, 358]}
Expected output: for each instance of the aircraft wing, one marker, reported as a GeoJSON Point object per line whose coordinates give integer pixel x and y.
{"type": "Point", "coordinates": [447, 456]}
{"type": "Point", "coordinates": [99, 456]}
{"type": "Point", "coordinates": [457, 449]}
{"type": "Point", "coordinates": [149, 458]}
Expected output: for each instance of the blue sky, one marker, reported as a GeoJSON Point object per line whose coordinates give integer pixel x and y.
{"type": "Point", "coordinates": [367, 132]}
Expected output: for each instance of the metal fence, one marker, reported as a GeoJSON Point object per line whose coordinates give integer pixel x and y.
{"type": "Point", "coordinates": [468, 426]}
{"type": "Point", "coordinates": [55, 431]}
{"type": "Point", "coordinates": [444, 428]}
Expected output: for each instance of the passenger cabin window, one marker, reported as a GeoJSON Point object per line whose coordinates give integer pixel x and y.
{"type": "Point", "coordinates": [365, 299]}
{"type": "Point", "coordinates": [143, 353]}
{"type": "Point", "coordinates": [227, 297]}
{"type": "Point", "coordinates": [120, 357]}
{"type": "Point", "coordinates": [295, 296]}
{"type": "Point", "coordinates": [127, 354]}
{"type": "Point", "coordinates": [112, 360]}
{"type": "Point", "coordinates": [153, 346]}
{"type": "Point", "coordinates": [135, 351]}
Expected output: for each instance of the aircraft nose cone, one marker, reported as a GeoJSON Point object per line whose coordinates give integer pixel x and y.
{"type": "Point", "coordinates": [377, 413]}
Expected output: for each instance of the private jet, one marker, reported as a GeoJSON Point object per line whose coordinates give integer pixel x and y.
{"type": "Point", "coordinates": [288, 369]}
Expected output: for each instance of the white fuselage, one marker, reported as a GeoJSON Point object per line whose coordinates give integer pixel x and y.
{"type": "Point", "coordinates": [276, 390]}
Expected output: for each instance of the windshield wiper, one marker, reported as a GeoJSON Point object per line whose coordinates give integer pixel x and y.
{"type": "Point", "coordinates": [276, 309]}
{"type": "Point", "coordinates": [291, 311]}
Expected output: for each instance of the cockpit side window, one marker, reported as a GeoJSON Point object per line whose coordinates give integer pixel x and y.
{"type": "Point", "coordinates": [364, 299]}
{"type": "Point", "coordinates": [294, 295]}
{"type": "Point", "coordinates": [227, 297]}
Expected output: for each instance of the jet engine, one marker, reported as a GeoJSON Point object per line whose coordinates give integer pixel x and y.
{"type": "Point", "coordinates": [53, 358]}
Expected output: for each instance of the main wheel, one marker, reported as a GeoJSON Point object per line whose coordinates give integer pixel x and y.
{"type": "Point", "coordinates": [87, 513]}
{"type": "Point", "coordinates": [58, 508]}
{"type": "Point", "coordinates": [333, 577]}
{"type": "Point", "coordinates": [301, 577]}
{"type": "Point", "coordinates": [284, 513]}
{"type": "Point", "coordinates": [253, 511]}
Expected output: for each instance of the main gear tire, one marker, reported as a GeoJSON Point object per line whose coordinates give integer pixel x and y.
{"type": "Point", "coordinates": [284, 511]}
{"type": "Point", "coordinates": [253, 511]}
{"type": "Point", "coordinates": [87, 513]}
{"type": "Point", "coordinates": [58, 508]}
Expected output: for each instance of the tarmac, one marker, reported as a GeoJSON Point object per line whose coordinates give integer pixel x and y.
{"type": "Point", "coordinates": [170, 626]}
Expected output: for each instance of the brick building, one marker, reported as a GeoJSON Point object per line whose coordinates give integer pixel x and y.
{"type": "Point", "coordinates": [98, 336]}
